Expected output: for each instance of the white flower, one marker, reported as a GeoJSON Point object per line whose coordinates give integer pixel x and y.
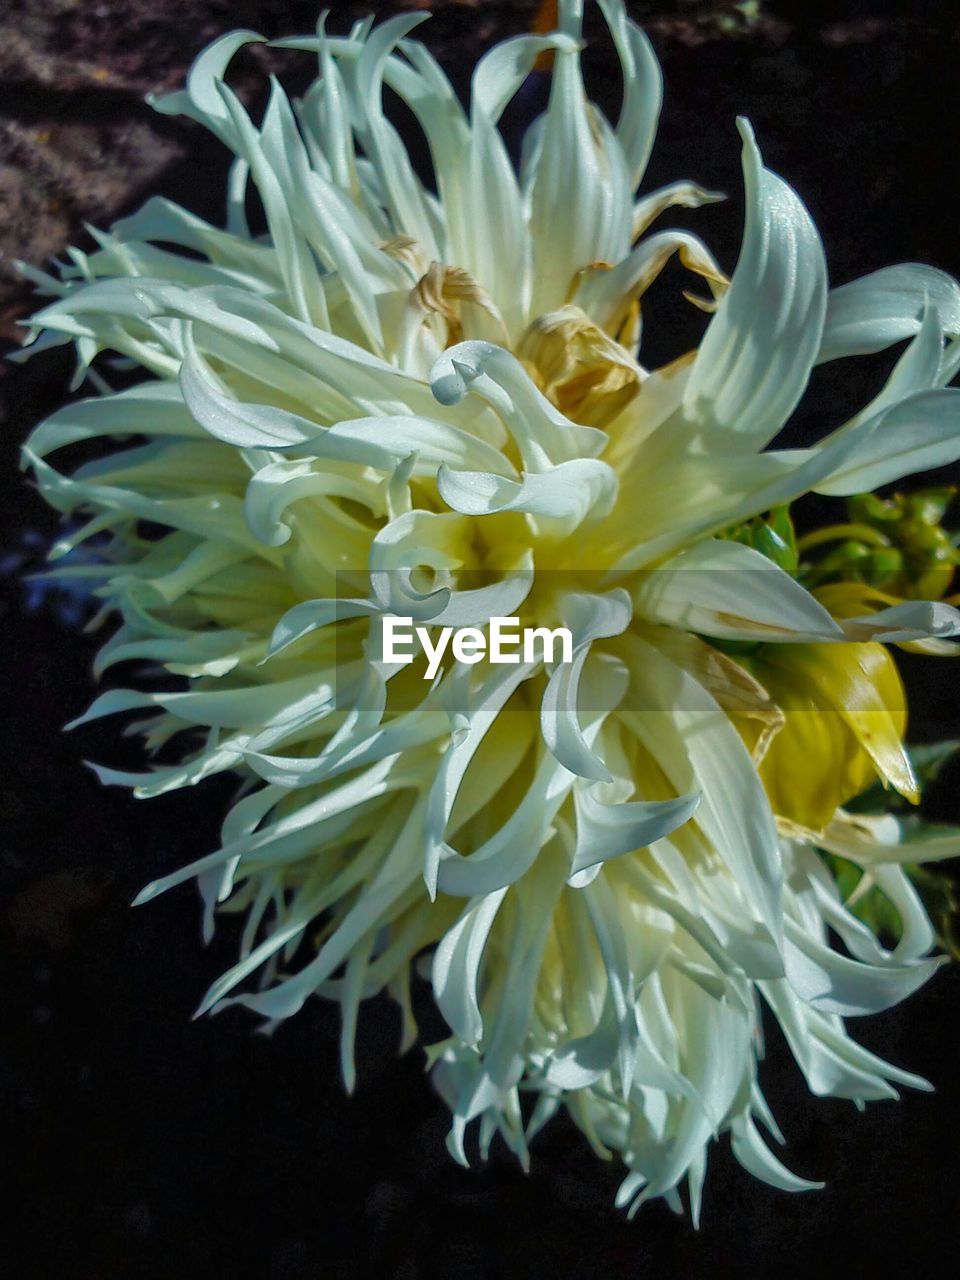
{"type": "Point", "coordinates": [400, 401]}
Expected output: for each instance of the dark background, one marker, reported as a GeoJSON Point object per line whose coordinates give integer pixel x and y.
{"type": "Point", "coordinates": [139, 1143]}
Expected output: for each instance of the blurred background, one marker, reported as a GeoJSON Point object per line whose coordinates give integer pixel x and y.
{"type": "Point", "coordinates": [142, 1144]}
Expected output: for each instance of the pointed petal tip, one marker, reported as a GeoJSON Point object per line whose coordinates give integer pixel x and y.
{"type": "Point", "coordinates": [745, 129]}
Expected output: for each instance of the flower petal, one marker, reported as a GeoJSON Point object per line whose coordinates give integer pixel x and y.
{"type": "Point", "coordinates": [755, 358]}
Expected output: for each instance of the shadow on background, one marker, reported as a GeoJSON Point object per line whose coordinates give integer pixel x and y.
{"type": "Point", "coordinates": [143, 1144]}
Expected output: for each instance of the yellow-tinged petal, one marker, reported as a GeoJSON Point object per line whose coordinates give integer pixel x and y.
{"type": "Point", "coordinates": [849, 599]}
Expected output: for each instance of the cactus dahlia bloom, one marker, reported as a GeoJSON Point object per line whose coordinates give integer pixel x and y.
{"type": "Point", "coordinates": [428, 401]}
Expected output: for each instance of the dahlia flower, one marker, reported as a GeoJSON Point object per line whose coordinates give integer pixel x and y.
{"type": "Point", "coordinates": [392, 398]}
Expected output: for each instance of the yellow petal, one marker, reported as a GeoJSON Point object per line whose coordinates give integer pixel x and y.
{"type": "Point", "coordinates": [845, 714]}
{"type": "Point", "coordinates": [586, 374]}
